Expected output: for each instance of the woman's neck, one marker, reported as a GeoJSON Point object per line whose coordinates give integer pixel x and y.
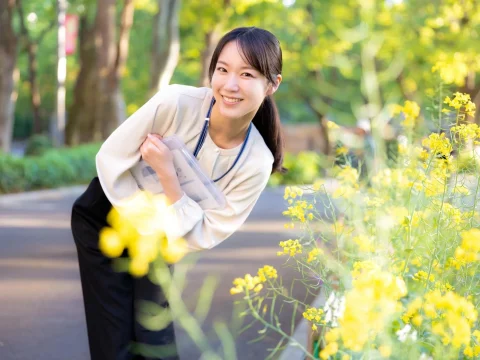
{"type": "Point", "coordinates": [227, 133]}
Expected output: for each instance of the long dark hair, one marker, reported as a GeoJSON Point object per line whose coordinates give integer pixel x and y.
{"type": "Point", "coordinates": [262, 51]}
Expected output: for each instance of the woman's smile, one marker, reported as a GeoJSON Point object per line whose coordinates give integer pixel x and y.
{"type": "Point", "coordinates": [231, 100]}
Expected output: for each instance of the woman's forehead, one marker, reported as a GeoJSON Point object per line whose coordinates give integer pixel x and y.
{"type": "Point", "coordinates": [232, 55]}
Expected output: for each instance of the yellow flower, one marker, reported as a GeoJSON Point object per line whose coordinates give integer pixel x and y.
{"type": "Point", "coordinates": [139, 266]}
{"type": "Point", "coordinates": [373, 299]}
{"type": "Point", "coordinates": [314, 254]}
{"type": "Point", "coordinates": [329, 350]}
{"type": "Point", "coordinates": [410, 111]}
{"type": "Point", "coordinates": [422, 276]}
{"type": "Point", "coordinates": [461, 100]}
{"type": "Point", "coordinates": [385, 351]}
{"type": "Point", "coordinates": [438, 144]}
{"type": "Point", "coordinates": [291, 247]}
{"type": "Point", "coordinates": [174, 251]}
{"type": "Point", "coordinates": [267, 272]}
{"type": "Point", "coordinates": [342, 150]}
{"type": "Point", "coordinates": [347, 174]}
{"type": "Point", "coordinates": [313, 314]}
{"type": "Point", "coordinates": [110, 243]}
{"type": "Point", "coordinates": [247, 283]}
{"type": "Point", "coordinates": [364, 243]}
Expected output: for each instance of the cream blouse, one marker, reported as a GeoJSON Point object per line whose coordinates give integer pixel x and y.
{"type": "Point", "coordinates": [181, 110]}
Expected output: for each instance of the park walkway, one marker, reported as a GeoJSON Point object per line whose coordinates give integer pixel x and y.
{"type": "Point", "coordinates": [41, 310]}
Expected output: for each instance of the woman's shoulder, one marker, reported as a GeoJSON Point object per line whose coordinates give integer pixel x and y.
{"type": "Point", "coordinates": [186, 90]}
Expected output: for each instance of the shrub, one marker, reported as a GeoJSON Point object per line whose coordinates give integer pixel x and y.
{"type": "Point", "coordinates": [56, 167]}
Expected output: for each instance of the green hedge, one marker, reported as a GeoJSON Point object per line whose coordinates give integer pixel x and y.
{"type": "Point", "coordinates": [56, 167]}
{"type": "Point", "coordinates": [303, 168]}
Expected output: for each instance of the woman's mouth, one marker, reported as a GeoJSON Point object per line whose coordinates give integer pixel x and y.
{"type": "Point", "coordinates": [231, 101]}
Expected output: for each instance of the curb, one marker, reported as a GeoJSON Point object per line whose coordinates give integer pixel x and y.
{"type": "Point", "coordinates": [41, 194]}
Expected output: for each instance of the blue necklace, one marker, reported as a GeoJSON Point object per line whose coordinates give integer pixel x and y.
{"type": "Point", "coordinates": [203, 136]}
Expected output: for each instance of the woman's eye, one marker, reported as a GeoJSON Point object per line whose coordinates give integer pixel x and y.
{"type": "Point", "coordinates": [221, 69]}
{"type": "Point", "coordinates": [248, 74]}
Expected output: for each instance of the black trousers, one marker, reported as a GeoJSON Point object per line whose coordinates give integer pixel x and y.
{"type": "Point", "coordinates": [112, 298]}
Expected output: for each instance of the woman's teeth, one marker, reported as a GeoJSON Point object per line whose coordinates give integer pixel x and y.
{"type": "Point", "coordinates": [231, 100]}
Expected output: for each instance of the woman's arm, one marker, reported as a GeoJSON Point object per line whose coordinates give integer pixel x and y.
{"type": "Point", "coordinates": [205, 229]}
{"type": "Point", "coordinates": [121, 151]}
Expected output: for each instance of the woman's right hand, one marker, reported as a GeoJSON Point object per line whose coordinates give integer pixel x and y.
{"type": "Point", "coordinates": [157, 154]}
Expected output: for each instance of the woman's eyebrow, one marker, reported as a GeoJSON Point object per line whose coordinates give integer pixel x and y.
{"type": "Point", "coordinates": [243, 67]}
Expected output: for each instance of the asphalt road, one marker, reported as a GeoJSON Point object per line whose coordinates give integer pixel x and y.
{"type": "Point", "coordinates": [41, 309]}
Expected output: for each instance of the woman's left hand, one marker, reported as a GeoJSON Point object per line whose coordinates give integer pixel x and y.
{"type": "Point", "coordinates": [157, 154]}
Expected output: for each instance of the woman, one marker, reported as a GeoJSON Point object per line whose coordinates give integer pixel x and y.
{"type": "Point", "coordinates": [239, 147]}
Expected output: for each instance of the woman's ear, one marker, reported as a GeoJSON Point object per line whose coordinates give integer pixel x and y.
{"type": "Point", "coordinates": [273, 87]}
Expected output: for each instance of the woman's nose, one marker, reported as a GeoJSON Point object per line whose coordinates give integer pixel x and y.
{"type": "Point", "coordinates": [232, 83]}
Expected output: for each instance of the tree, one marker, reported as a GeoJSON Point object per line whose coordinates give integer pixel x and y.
{"type": "Point", "coordinates": [30, 45]}
{"type": "Point", "coordinates": [98, 106]}
{"type": "Point", "coordinates": [165, 45]}
{"type": "Point", "coordinates": [8, 59]}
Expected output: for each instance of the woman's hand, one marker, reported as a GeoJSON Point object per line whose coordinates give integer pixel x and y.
{"type": "Point", "coordinates": [157, 154]}
{"type": "Point", "coordinates": [160, 158]}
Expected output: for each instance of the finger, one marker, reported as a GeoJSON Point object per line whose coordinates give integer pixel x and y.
{"type": "Point", "coordinates": [155, 141]}
{"type": "Point", "coordinates": [158, 136]}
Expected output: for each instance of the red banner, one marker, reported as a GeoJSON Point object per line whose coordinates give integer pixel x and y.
{"type": "Point", "coordinates": [71, 27]}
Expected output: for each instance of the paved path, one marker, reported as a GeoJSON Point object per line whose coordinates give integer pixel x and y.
{"type": "Point", "coordinates": [41, 310]}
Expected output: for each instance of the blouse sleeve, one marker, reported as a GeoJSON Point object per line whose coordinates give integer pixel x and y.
{"type": "Point", "coordinates": [121, 151]}
{"type": "Point", "coordinates": [204, 229]}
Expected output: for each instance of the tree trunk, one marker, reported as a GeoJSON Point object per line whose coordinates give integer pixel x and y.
{"type": "Point", "coordinates": [115, 103]}
{"type": "Point", "coordinates": [165, 46]}
{"type": "Point", "coordinates": [98, 106]}
{"type": "Point", "coordinates": [8, 60]}
{"type": "Point", "coordinates": [211, 40]}
{"type": "Point", "coordinates": [35, 98]}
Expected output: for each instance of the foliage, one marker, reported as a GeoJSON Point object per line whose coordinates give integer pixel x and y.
{"type": "Point", "coordinates": [54, 168]}
{"type": "Point", "coordinates": [397, 255]}
{"type": "Point", "coordinates": [303, 168]}
{"type": "Point", "coordinates": [37, 145]}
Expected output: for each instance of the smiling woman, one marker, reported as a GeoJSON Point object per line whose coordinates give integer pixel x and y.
{"type": "Point", "coordinates": [232, 128]}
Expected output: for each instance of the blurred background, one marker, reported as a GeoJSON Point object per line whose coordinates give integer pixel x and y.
{"type": "Point", "coordinates": [72, 71]}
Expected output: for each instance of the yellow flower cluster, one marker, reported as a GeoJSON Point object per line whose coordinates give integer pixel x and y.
{"type": "Point", "coordinates": [340, 151]}
{"type": "Point", "coordinates": [331, 338]}
{"type": "Point", "coordinates": [253, 283]}
{"type": "Point", "coordinates": [292, 192]}
{"type": "Point", "coordinates": [347, 174]}
{"type": "Point", "coordinates": [452, 317]}
{"type": "Point", "coordinates": [412, 314]}
{"type": "Point", "coordinates": [438, 144]}
{"type": "Point", "coordinates": [373, 299]}
{"type": "Point", "coordinates": [291, 247]}
{"type": "Point", "coordinates": [267, 272]}
{"type": "Point", "coordinates": [473, 350]}
{"type": "Point", "coordinates": [453, 68]}
{"type": "Point", "coordinates": [314, 254]}
{"type": "Point", "coordinates": [466, 132]}
{"type": "Point", "coordinates": [313, 315]}
{"type": "Point", "coordinates": [460, 102]}
{"type": "Point", "coordinates": [365, 244]}
{"type": "Point", "coordinates": [361, 267]}
{"type": "Point", "coordinates": [247, 283]}
{"type": "Point", "coordinates": [422, 276]}
{"type": "Point", "coordinates": [298, 211]}
{"type": "Point", "coordinates": [469, 250]}
{"type": "Point", "coordinates": [135, 227]}
{"type": "Point", "coordinates": [410, 111]}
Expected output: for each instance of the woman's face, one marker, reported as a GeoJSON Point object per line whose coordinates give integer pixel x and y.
{"type": "Point", "coordinates": [238, 88]}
